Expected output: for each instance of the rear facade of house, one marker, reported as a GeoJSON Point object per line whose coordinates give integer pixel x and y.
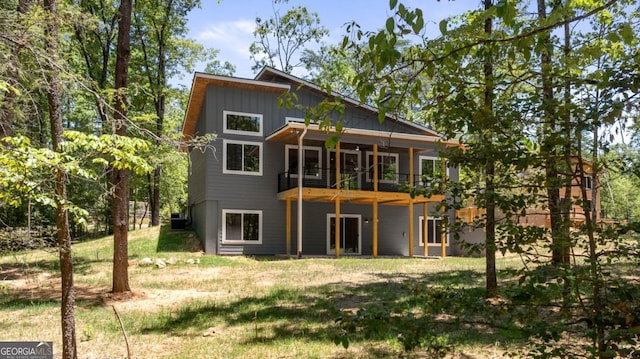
{"type": "Point", "coordinates": [244, 189]}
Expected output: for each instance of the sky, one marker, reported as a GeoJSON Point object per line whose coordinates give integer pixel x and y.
{"type": "Point", "coordinates": [228, 25]}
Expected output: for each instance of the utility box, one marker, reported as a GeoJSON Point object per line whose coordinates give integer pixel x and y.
{"type": "Point", "coordinates": [178, 222]}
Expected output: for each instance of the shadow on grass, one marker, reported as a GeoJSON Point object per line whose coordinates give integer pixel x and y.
{"type": "Point", "coordinates": [177, 240]}
{"type": "Point", "coordinates": [445, 302]}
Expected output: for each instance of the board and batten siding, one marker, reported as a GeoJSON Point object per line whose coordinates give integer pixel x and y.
{"type": "Point", "coordinates": [211, 191]}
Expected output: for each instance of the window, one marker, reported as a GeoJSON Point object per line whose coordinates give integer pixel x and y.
{"type": "Point", "coordinates": [242, 123]}
{"type": "Point", "coordinates": [588, 182]}
{"type": "Point", "coordinates": [243, 158]}
{"type": "Point", "coordinates": [434, 231]}
{"type": "Point", "coordinates": [387, 167]}
{"type": "Point", "coordinates": [430, 167]}
{"type": "Point", "coordinates": [312, 160]}
{"type": "Point", "coordinates": [242, 226]}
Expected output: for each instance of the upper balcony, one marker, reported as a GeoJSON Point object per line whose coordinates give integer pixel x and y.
{"type": "Point", "coordinates": [355, 186]}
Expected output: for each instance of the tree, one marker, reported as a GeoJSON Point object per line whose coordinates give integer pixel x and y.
{"type": "Point", "coordinates": [157, 27]}
{"type": "Point", "coordinates": [281, 39]}
{"type": "Point", "coordinates": [54, 90]}
{"type": "Point", "coordinates": [120, 177]}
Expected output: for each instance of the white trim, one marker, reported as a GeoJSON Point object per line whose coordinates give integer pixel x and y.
{"type": "Point", "coordinates": [383, 154]}
{"type": "Point", "coordinates": [241, 211]}
{"type": "Point", "coordinates": [421, 240]}
{"type": "Point", "coordinates": [332, 240]}
{"type": "Point", "coordinates": [241, 172]}
{"type": "Point", "coordinates": [239, 132]}
{"type": "Point", "coordinates": [304, 148]}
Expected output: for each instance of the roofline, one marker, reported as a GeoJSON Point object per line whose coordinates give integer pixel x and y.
{"type": "Point", "coordinates": [365, 133]}
{"type": "Point", "coordinates": [343, 97]}
{"type": "Point", "coordinates": [188, 122]}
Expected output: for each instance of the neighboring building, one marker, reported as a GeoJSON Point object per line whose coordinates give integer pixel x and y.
{"type": "Point", "coordinates": [243, 196]}
{"type": "Point", "coordinates": [540, 216]}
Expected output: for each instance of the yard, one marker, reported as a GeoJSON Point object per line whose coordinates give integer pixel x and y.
{"type": "Point", "coordinates": [239, 307]}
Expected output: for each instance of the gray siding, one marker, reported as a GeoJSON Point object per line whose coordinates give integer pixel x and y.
{"type": "Point", "coordinates": [211, 190]}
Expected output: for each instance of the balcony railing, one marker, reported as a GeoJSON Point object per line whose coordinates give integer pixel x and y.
{"type": "Point", "coordinates": [354, 180]}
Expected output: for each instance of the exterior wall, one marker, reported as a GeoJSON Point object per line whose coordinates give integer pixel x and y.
{"type": "Point", "coordinates": [211, 191]}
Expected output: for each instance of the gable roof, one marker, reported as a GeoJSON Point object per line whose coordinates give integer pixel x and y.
{"type": "Point", "coordinates": [274, 75]}
{"type": "Point", "coordinates": [268, 79]}
{"type": "Point", "coordinates": [199, 88]}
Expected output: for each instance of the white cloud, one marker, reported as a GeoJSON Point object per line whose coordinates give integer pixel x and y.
{"type": "Point", "coordinates": [232, 38]}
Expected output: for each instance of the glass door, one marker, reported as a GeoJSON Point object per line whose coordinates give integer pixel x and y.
{"type": "Point", "coordinates": [349, 169]}
{"type": "Point", "coordinates": [350, 228]}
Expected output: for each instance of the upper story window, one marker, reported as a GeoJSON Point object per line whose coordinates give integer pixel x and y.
{"type": "Point", "coordinates": [431, 167]}
{"type": "Point", "coordinates": [311, 163]}
{"type": "Point", "coordinates": [244, 158]}
{"type": "Point", "coordinates": [387, 167]}
{"type": "Point", "coordinates": [241, 123]}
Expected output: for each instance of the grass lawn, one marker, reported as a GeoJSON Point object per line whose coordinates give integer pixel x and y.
{"type": "Point", "coordinates": [236, 307]}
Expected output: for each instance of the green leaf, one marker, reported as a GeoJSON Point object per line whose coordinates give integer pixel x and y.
{"type": "Point", "coordinates": [626, 32]}
{"type": "Point", "coordinates": [392, 4]}
{"type": "Point", "coordinates": [443, 26]}
{"type": "Point", "coordinates": [391, 24]}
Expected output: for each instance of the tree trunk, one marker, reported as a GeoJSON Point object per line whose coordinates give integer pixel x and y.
{"type": "Point", "coordinates": [549, 144]}
{"type": "Point", "coordinates": [490, 244]}
{"type": "Point", "coordinates": [7, 110]}
{"type": "Point", "coordinates": [120, 177]}
{"type": "Point", "coordinates": [62, 221]}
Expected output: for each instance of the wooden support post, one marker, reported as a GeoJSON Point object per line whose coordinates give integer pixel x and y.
{"type": "Point", "coordinates": [411, 229]}
{"type": "Point", "coordinates": [443, 244]}
{"type": "Point", "coordinates": [425, 229]}
{"type": "Point", "coordinates": [375, 228]}
{"type": "Point", "coordinates": [337, 238]}
{"type": "Point", "coordinates": [288, 226]}
{"type": "Point", "coordinates": [411, 166]}
{"type": "Point", "coordinates": [375, 167]}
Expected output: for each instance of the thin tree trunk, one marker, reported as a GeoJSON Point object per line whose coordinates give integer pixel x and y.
{"type": "Point", "coordinates": [549, 145]}
{"type": "Point", "coordinates": [565, 205]}
{"type": "Point", "coordinates": [120, 177]}
{"type": "Point", "coordinates": [7, 109]}
{"type": "Point", "coordinates": [67, 313]}
{"type": "Point", "coordinates": [490, 250]}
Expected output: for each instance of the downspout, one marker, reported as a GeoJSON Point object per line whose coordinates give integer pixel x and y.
{"type": "Point", "coordinates": [300, 176]}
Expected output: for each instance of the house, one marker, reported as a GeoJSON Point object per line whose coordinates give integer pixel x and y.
{"type": "Point", "coordinates": [244, 196]}
{"type": "Point", "coordinates": [540, 216]}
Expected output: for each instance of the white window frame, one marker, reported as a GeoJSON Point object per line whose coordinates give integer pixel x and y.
{"type": "Point", "coordinates": [241, 172]}
{"type": "Point", "coordinates": [304, 148]}
{"type": "Point", "coordinates": [383, 154]}
{"type": "Point", "coordinates": [241, 211]}
{"type": "Point", "coordinates": [237, 132]}
{"type": "Point", "coordinates": [421, 239]}
{"type": "Point", "coordinates": [429, 158]}
{"type": "Point", "coordinates": [294, 119]}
